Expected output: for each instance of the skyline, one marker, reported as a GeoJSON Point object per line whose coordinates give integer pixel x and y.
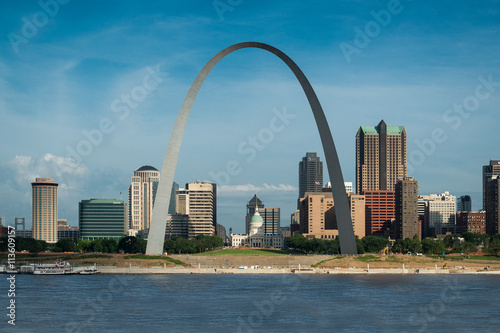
{"type": "Point", "coordinates": [86, 71]}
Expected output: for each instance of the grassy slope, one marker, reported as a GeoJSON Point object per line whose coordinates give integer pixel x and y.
{"type": "Point", "coordinates": [245, 252]}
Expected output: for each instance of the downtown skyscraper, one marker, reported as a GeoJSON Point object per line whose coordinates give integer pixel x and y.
{"type": "Point", "coordinates": [380, 157]}
{"type": "Point", "coordinates": [310, 174]}
{"type": "Point", "coordinates": [141, 194]}
{"type": "Point", "coordinates": [489, 171]}
{"type": "Point", "coordinates": [44, 205]}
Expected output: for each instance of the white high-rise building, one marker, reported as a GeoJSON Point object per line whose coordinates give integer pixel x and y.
{"type": "Point", "coordinates": [141, 194]}
{"type": "Point", "coordinates": [440, 211]}
{"type": "Point", "coordinates": [202, 208]}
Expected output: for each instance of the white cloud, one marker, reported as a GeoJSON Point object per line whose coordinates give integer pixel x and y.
{"type": "Point", "coordinates": [246, 188]}
{"type": "Point", "coordinates": [26, 168]}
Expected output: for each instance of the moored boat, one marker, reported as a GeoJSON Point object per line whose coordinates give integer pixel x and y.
{"type": "Point", "coordinates": [57, 268]}
{"type": "Point", "coordinates": [90, 271]}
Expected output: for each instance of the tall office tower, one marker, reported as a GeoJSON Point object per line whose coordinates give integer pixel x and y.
{"type": "Point", "coordinates": [202, 208]}
{"type": "Point", "coordinates": [141, 197]}
{"type": "Point", "coordinates": [271, 217]}
{"type": "Point", "coordinates": [45, 209]}
{"type": "Point", "coordinates": [310, 174]}
{"type": "Point", "coordinates": [141, 194]}
{"type": "Point", "coordinates": [102, 219]}
{"type": "Point", "coordinates": [492, 169]}
{"type": "Point", "coordinates": [492, 205]}
{"type": "Point", "coordinates": [464, 204]}
{"type": "Point", "coordinates": [380, 212]}
{"type": "Point", "coordinates": [407, 221]}
{"type": "Point", "coordinates": [440, 213]}
{"type": "Point", "coordinates": [380, 157]}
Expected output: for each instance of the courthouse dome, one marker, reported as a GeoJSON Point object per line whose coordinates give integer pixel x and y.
{"type": "Point", "coordinates": [256, 223]}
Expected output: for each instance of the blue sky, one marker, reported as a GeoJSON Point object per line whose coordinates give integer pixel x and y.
{"type": "Point", "coordinates": [67, 69]}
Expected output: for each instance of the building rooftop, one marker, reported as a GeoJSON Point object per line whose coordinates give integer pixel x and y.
{"type": "Point", "coordinates": [374, 129]}
{"type": "Point", "coordinates": [255, 201]}
{"type": "Point", "coordinates": [105, 201]}
{"type": "Point", "coordinates": [147, 168]}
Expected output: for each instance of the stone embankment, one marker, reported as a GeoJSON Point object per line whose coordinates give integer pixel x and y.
{"type": "Point", "coordinates": [273, 270]}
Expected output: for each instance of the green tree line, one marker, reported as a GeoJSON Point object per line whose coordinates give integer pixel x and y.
{"type": "Point", "coordinates": [198, 244]}
{"type": "Point", "coordinates": [127, 244]}
{"type": "Point", "coordinates": [465, 243]}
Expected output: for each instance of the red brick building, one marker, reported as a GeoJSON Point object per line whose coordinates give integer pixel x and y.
{"type": "Point", "coordinates": [380, 212]}
{"type": "Point", "coordinates": [471, 222]}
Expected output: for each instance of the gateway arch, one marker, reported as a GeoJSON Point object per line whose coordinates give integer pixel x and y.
{"type": "Point", "coordinates": [158, 223]}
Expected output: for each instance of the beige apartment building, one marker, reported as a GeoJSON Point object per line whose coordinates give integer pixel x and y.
{"type": "Point", "coordinates": [202, 208]}
{"type": "Point", "coordinates": [317, 215]}
{"type": "Point", "coordinates": [44, 209]}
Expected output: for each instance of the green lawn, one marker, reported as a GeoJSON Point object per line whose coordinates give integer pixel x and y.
{"type": "Point", "coordinates": [148, 257]}
{"type": "Point", "coordinates": [367, 258]}
{"type": "Point", "coordinates": [488, 258]}
{"type": "Point", "coordinates": [245, 252]}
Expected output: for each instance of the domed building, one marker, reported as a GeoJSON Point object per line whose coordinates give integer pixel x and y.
{"type": "Point", "coordinates": [256, 236]}
{"type": "Point", "coordinates": [141, 196]}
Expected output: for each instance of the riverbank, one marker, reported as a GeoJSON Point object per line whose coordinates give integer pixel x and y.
{"type": "Point", "coordinates": [218, 263]}
{"type": "Point", "coordinates": [296, 270]}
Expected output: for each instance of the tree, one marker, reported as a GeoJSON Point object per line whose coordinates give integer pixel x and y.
{"type": "Point", "coordinates": [374, 244]}
{"type": "Point", "coordinates": [494, 246]}
{"type": "Point", "coordinates": [128, 244]}
{"type": "Point", "coordinates": [110, 245]}
{"type": "Point", "coordinates": [97, 245]}
{"type": "Point", "coordinates": [41, 246]}
{"type": "Point", "coordinates": [84, 245]}
{"type": "Point", "coordinates": [431, 246]}
{"type": "Point", "coordinates": [66, 245]}
{"type": "Point", "coordinates": [297, 242]}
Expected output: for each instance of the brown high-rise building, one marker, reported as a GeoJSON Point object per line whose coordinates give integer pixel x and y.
{"type": "Point", "coordinates": [380, 157]}
{"type": "Point", "coordinates": [45, 209]}
{"type": "Point", "coordinates": [492, 205]}
{"type": "Point", "coordinates": [407, 222]}
{"type": "Point", "coordinates": [310, 174]}
{"type": "Point", "coordinates": [379, 212]}
{"type": "Point", "coordinates": [490, 170]}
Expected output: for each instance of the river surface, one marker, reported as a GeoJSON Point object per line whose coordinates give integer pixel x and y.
{"type": "Point", "coordinates": [253, 303]}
